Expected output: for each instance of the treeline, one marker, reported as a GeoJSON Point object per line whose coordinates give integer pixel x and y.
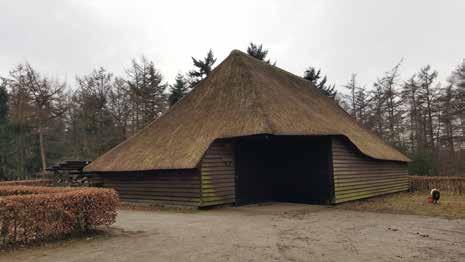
{"type": "Point", "coordinates": [45, 120]}
{"type": "Point", "coordinates": [419, 115]}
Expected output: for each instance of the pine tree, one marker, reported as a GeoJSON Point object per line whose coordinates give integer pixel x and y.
{"type": "Point", "coordinates": [3, 102]}
{"type": "Point", "coordinates": [155, 98]}
{"type": "Point", "coordinates": [259, 52]}
{"type": "Point", "coordinates": [314, 76]}
{"type": "Point", "coordinates": [202, 69]}
{"type": "Point", "coordinates": [4, 131]}
{"type": "Point", "coordinates": [178, 90]}
{"type": "Point", "coordinates": [24, 157]}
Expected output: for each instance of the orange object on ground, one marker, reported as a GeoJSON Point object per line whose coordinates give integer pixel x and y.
{"type": "Point", "coordinates": [430, 199]}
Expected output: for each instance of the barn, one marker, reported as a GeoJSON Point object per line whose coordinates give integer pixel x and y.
{"type": "Point", "coordinates": [252, 132]}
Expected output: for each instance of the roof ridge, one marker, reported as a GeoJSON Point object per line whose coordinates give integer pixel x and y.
{"type": "Point", "coordinates": [258, 94]}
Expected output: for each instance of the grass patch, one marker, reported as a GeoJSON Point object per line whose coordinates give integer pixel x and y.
{"type": "Point", "coordinates": [451, 205]}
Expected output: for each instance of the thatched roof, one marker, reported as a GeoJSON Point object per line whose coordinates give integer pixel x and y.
{"type": "Point", "coordinates": [242, 96]}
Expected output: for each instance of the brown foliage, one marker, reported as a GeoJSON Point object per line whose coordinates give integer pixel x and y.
{"type": "Point", "coordinates": [27, 190]}
{"type": "Point", "coordinates": [447, 184]}
{"type": "Point", "coordinates": [36, 182]}
{"type": "Point", "coordinates": [39, 213]}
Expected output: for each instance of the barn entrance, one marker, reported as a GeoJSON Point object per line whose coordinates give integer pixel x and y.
{"type": "Point", "coordinates": [283, 168]}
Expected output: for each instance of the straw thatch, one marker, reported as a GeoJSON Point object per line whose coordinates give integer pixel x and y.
{"type": "Point", "coordinates": [242, 96]}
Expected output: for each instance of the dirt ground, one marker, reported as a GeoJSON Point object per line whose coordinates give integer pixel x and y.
{"type": "Point", "coordinates": [268, 232]}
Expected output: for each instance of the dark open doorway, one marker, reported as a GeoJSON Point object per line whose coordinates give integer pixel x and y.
{"type": "Point", "coordinates": [283, 168]}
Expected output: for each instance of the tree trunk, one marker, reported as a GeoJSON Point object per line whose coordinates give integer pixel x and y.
{"type": "Point", "coordinates": [42, 149]}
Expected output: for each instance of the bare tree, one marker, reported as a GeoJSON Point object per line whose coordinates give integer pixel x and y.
{"type": "Point", "coordinates": [428, 93]}
{"type": "Point", "coordinates": [361, 105]}
{"type": "Point", "coordinates": [410, 98]}
{"type": "Point", "coordinates": [46, 96]}
{"type": "Point", "coordinates": [35, 102]}
{"type": "Point", "coordinates": [119, 105]}
{"type": "Point", "coordinates": [147, 93]}
{"type": "Point", "coordinates": [388, 84]}
{"type": "Point", "coordinates": [353, 88]}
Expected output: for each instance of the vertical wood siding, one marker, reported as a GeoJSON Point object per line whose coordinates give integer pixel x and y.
{"type": "Point", "coordinates": [173, 187]}
{"type": "Point", "coordinates": [357, 176]}
{"type": "Point", "coordinates": [217, 170]}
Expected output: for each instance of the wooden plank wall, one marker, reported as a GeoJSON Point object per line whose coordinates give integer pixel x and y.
{"type": "Point", "coordinates": [173, 187]}
{"type": "Point", "coordinates": [357, 176]}
{"type": "Point", "coordinates": [217, 170]}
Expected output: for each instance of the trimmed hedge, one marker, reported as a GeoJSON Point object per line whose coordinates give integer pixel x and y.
{"type": "Point", "coordinates": [442, 183]}
{"type": "Point", "coordinates": [40, 213]}
{"type": "Point", "coordinates": [36, 182]}
{"type": "Point", "coordinates": [27, 190]}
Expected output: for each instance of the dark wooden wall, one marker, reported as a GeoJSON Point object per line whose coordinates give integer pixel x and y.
{"type": "Point", "coordinates": [357, 176]}
{"type": "Point", "coordinates": [213, 183]}
{"type": "Point", "coordinates": [217, 170]}
{"type": "Point", "coordinates": [171, 187]}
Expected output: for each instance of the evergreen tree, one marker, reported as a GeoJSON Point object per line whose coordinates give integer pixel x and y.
{"type": "Point", "coordinates": [258, 52]}
{"type": "Point", "coordinates": [155, 98]}
{"type": "Point", "coordinates": [24, 157]}
{"type": "Point", "coordinates": [312, 75]}
{"type": "Point", "coordinates": [4, 131]}
{"type": "Point", "coordinates": [3, 102]}
{"type": "Point", "coordinates": [202, 69]}
{"type": "Point", "coordinates": [178, 90]}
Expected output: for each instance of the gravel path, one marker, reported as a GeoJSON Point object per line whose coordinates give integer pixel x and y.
{"type": "Point", "coordinates": [269, 232]}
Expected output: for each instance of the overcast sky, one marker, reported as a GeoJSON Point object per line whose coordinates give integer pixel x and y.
{"type": "Point", "coordinates": [65, 38]}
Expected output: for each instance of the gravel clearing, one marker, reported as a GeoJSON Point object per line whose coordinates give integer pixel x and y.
{"type": "Point", "coordinates": [266, 232]}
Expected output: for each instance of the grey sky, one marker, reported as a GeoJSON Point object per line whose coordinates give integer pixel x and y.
{"type": "Point", "coordinates": [65, 38]}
